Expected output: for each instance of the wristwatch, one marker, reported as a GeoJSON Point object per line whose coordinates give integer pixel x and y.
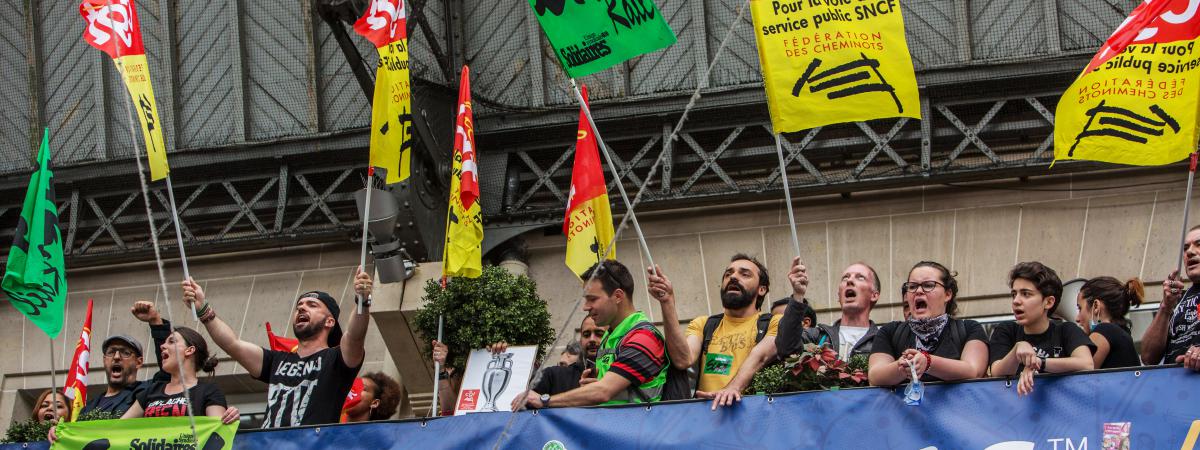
{"type": "Point", "coordinates": [545, 398]}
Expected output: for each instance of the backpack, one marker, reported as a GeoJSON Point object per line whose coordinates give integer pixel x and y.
{"type": "Point", "coordinates": [710, 327]}
{"type": "Point", "coordinates": [676, 386]}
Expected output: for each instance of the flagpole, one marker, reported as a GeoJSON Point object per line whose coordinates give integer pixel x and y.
{"type": "Point", "coordinates": [1187, 204]}
{"type": "Point", "coordinates": [437, 371]}
{"type": "Point", "coordinates": [587, 112]}
{"type": "Point", "coordinates": [362, 257]}
{"type": "Point", "coordinates": [787, 193]}
{"type": "Point", "coordinates": [179, 235]}
{"type": "Point", "coordinates": [53, 385]}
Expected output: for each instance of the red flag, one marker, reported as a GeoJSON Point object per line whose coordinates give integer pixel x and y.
{"type": "Point", "coordinates": [113, 27]}
{"type": "Point", "coordinates": [353, 398]}
{"type": "Point", "coordinates": [75, 389]}
{"type": "Point", "coordinates": [588, 222]}
{"type": "Point", "coordinates": [280, 343]}
{"type": "Point", "coordinates": [1152, 22]}
{"type": "Point", "coordinates": [464, 143]}
{"type": "Point", "coordinates": [383, 23]}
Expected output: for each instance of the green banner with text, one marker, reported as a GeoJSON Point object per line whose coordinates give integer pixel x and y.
{"type": "Point", "coordinates": [154, 433]}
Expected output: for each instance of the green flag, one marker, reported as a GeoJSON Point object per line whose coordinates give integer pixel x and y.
{"type": "Point", "coordinates": [151, 433]}
{"type": "Point", "coordinates": [35, 277]}
{"type": "Point", "coordinates": [590, 35]}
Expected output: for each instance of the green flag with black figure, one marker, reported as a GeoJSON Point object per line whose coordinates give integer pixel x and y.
{"type": "Point", "coordinates": [592, 35]}
{"type": "Point", "coordinates": [35, 277]}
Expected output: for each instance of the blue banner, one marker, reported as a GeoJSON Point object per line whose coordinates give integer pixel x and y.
{"type": "Point", "coordinates": [1161, 407]}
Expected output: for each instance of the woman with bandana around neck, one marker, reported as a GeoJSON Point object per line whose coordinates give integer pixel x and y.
{"type": "Point", "coordinates": [1103, 304]}
{"type": "Point", "coordinates": [931, 343]}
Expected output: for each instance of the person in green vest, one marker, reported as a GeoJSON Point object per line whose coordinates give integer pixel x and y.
{"type": "Point", "coordinates": [631, 365]}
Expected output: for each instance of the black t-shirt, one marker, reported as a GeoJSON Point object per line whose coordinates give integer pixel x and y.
{"type": "Point", "coordinates": [558, 379]}
{"type": "Point", "coordinates": [1185, 326]}
{"type": "Point", "coordinates": [1058, 341]}
{"type": "Point", "coordinates": [119, 403]}
{"type": "Point", "coordinates": [1121, 352]}
{"type": "Point", "coordinates": [156, 402]}
{"type": "Point", "coordinates": [954, 338]}
{"type": "Point", "coordinates": [305, 391]}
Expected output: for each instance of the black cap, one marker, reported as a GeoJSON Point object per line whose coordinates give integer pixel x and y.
{"type": "Point", "coordinates": [128, 340]}
{"type": "Point", "coordinates": [335, 334]}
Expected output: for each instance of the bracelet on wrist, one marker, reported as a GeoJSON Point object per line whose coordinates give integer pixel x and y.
{"type": "Point", "coordinates": [928, 360]}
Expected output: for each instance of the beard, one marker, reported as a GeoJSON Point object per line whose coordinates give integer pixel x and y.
{"type": "Point", "coordinates": [307, 331]}
{"type": "Point", "coordinates": [736, 300]}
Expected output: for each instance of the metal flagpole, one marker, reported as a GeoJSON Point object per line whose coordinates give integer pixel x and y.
{"type": "Point", "coordinates": [1187, 204]}
{"type": "Point", "coordinates": [437, 371]}
{"type": "Point", "coordinates": [787, 193]}
{"type": "Point", "coordinates": [587, 112]}
{"type": "Point", "coordinates": [187, 275]}
{"type": "Point", "coordinates": [362, 257]}
{"type": "Point", "coordinates": [53, 385]}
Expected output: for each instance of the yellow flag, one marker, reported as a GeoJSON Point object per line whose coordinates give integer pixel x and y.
{"type": "Point", "coordinates": [834, 61]}
{"type": "Point", "coordinates": [462, 254]}
{"type": "Point", "coordinates": [1135, 103]}
{"type": "Point", "coordinates": [588, 223]}
{"type": "Point", "coordinates": [113, 28]}
{"type": "Point", "coordinates": [136, 73]}
{"type": "Point", "coordinates": [383, 23]}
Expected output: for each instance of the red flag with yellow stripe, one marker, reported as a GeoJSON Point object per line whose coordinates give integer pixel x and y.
{"type": "Point", "coordinates": [384, 24]}
{"type": "Point", "coordinates": [75, 389]}
{"type": "Point", "coordinates": [588, 223]}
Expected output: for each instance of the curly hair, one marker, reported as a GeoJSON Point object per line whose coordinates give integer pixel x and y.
{"type": "Point", "coordinates": [387, 391]}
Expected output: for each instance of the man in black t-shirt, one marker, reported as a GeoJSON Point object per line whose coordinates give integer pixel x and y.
{"type": "Point", "coordinates": [123, 357]}
{"type": "Point", "coordinates": [1033, 342]}
{"type": "Point", "coordinates": [558, 379]}
{"type": "Point", "coordinates": [309, 386]}
{"type": "Point", "coordinates": [1174, 334]}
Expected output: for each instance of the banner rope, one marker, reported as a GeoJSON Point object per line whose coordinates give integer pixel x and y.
{"type": "Point", "coordinates": [700, 84]}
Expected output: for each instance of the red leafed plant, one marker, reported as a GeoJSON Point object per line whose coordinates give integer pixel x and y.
{"type": "Point", "coordinates": [816, 368]}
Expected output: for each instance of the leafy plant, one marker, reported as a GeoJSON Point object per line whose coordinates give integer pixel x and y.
{"type": "Point", "coordinates": [816, 368]}
{"type": "Point", "coordinates": [32, 431]}
{"type": "Point", "coordinates": [497, 306]}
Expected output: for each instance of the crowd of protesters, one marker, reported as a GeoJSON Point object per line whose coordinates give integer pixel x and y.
{"type": "Point", "coordinates": [622, 357]}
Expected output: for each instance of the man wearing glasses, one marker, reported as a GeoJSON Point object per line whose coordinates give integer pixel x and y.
{"type": "Point", "coordinates": [123, 358]}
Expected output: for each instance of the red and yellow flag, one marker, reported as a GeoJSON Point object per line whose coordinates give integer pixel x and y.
{"type": "Point", "coordinates": [391, 119]}
{"type": "Point", "coordinates": [588, 224]}
{"type": "Point", "coordinates": [75, 389]}
{"type": "Point", "coordinates": [1136, 101]}
{"type": "Point", "coordinates": [353, 398]}
{"type": "Point", "coordinates": [462, 254]}
{"type": "Point", "coordinates": [280, 343]}
{"type": "Point", "coordinates": [113, 28]}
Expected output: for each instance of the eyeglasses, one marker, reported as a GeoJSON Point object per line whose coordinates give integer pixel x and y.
{"type": "Point", "coordinates": [926, 286]}
{"type": "Point", "coordinates": [124, 352]}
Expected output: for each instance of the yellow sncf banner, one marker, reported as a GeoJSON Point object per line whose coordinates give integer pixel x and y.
{"type": "Point", "coordinates": [135, 71]}
{"type": "Point", "coordinates": [834, 61]}
{"type": "Point", "coordinates": [391, 113]}
{"type": "Point", "coordinates": [1138, 108]}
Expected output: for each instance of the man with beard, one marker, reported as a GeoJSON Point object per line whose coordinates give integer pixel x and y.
{"type": "Point", "coordinates": [721, 342]}
{"type": "Point", "coordinates": [308, 386]}
{"type": "Point", "coordinates": [123, 358]}
{"type": "Point", "coordinates": [558, 379]}
{"type": "Point", "coordinates": [1174, 334]}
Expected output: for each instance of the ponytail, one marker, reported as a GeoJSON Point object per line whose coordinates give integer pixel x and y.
{"type": "Point", "coordinates": [1135, 292]}
{"type": "Point", "coordinates": [210, 365]}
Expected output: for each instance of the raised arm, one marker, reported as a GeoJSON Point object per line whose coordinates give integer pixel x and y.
{"type": "Point", "coordinates": [250, 356]}
{"type": "Point", "coordinates": [1154, 341]}
{"type": "Point", "coordinates": [160, 331]}
{"type": "Point", "coordinates": [356, 333]}
{"type": "Point", "coordinates": [791, 325]}
{"type": "Point", "coordinates": [682, 349]}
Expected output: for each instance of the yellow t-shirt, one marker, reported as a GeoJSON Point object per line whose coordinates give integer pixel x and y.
{"type": "Point", "coordinates": [731, 344]}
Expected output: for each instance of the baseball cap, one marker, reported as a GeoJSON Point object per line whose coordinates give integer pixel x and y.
{"type": "Point", "coordinates": [335, 334]}
{"type": "Point", "coordinates": [125, 339]}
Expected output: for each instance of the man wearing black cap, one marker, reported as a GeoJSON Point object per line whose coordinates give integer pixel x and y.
{"type": "Point", "coordinates": [122, 359]}
{"type": "Point", "coordinates": [306, 387]}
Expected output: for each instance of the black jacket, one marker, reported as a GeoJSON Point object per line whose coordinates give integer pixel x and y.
{"type": "Point", "coordinates": [792, 336]}
{"type": "Point", "coordinates": [831, 334]}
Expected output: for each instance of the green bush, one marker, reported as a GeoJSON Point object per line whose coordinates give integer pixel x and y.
{"type": "Point", "coordinates": [497, 306]}
{"type": "Point", "coordinates": [31, 431]}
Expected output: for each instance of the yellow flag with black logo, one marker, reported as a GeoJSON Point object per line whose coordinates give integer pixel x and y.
{"type": "Point", "coordinates": [384, 23]}
{"type": "Point", "coordinates": [1135, 103]}
{"type": "Point", "coordinates": [834, 61]}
